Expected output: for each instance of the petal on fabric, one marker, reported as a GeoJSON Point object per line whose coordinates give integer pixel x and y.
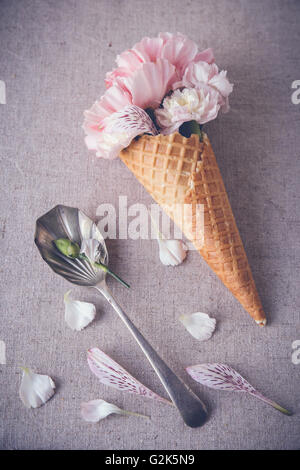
{"type": "Point", "coordinates": [114, 375]}
{"type": "Point", "coordinates": [78, 314]}
{"type": "Point", "coordinates": [95, 410]}
{"type": "Point", "coordinates": [200, 325]}
{"type": "Point", "coordinates": [35, 389]}
{"type": "Point", "coordinates": [172, 252]}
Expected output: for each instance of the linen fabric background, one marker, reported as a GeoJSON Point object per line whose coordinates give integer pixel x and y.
{"type": "Point", "coordinates": [54, 56]}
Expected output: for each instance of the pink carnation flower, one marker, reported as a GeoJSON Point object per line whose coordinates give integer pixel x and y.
{"type": "Point", "coordinates": [144, 76]}
{"type": "Point", "coordinates": [202, 75]}
{"type": "Point", "coordinates": [186, 105]}
{"type": "Point", "coordinates": [199, 96]}
{"type": "Point", "coordinates": [178, 49]}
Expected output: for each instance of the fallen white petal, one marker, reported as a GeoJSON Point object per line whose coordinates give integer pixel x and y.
{"type": "Point", "coordinates": [171, 252]}
{"type": "Point", "coordinates": [78, 314]}
{"type": "Point", "coordinates": [35, 389]}
{"type": "Point", "coordinates": [200, 325]}
{"type": "Point", "coordinates": [95, 410]}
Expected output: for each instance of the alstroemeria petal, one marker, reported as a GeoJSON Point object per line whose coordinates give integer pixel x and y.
{"type": "Point", "coordinates": [171, 252]}
{"type": "Point", "coordinates": [121, 128]}
{"type": "Point", "coordinates": [78, 314]}
{"type": "Point", "coordinates": [112, 374]}
{"type": "Point", "coordinates": [132, 121]}
{"type": "Point", "coordinates": [219, 376]}
{"type": "Point", "coordinates": [223, 377]}
{"type": "Point", "coordinates": [95, 410]}
{"type": "Point", "coordinates": [200, 325]}
{"type": "Point", "coordinates": [35, 389]}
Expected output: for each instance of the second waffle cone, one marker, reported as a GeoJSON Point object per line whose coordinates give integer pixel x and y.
{"type": "Point", "coordinates": [177, 170]}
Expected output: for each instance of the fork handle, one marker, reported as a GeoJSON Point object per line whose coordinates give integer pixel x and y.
{"type": "Point", "coordinates": [191, 408]}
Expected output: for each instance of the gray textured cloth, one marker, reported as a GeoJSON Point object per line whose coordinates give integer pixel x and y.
{"type": "Point", "coordinates": [54, 56]}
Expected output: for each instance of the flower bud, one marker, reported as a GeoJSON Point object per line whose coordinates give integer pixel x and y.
{"type": "Point", "coordinates": [67, 248]}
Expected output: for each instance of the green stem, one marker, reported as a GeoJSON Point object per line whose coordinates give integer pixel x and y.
{"type": "Point", "coordinates": [132, 413]}
{"type": "Point", "coordinates": [190, 127]}
{"type": "Point", "coordinates": [272, 403]}
{"type": "Point", "coordinates": [112, 274]}
{"type": "Point", "coordinates": [195, 128]}
{"type": "Point", "coordinates": [106, 270]}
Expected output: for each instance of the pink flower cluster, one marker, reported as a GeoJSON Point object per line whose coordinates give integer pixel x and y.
{"type": "Point", "coordinates": [144, 76]}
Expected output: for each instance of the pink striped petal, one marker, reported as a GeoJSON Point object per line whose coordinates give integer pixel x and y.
{"type": "Point", "coordinates": [113, 375]}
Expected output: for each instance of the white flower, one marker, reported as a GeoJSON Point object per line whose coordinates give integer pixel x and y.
{"type": "Point", "coordinates": [95, 410]}
{"type": "Point", "coordinates": [88, 228]}
{"type": "Point", "coordinates": [78, 314]}
{"type": "Point", "coordinates": [200, 325]}
{"type": "Point", "coordinates": [35, 389]}
{"type": "Point", "coordinates": [190, 104]}
{"type": "Point", "coordinates": [91, 248]}
{"type": "Point", "coordinates": [199, 96]}
{"type": "Point", "coordinates": [171, 252]}
{"type": "Point", "coordinates": [92, 241]}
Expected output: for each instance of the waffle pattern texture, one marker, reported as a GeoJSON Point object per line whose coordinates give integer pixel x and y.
{"type": "Point", "coordinates": [177, 171]}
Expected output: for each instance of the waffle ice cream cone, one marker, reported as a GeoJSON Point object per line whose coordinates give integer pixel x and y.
{"type": "Point", "coordinates": [177, 170]}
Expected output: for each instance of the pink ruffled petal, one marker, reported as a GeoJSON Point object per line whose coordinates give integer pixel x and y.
{"type": "Point", "coordinates": [221, 83]}
{"type": "Point", "coordinates": [149, 84]}
{"type": "Point", "coordinates": [112, 76]}
{"type": "Point", "coordinates": [179, 51]}
{"type": "Point", "coordinates": [114, 99]}
{"type": "Point", "coordinates": [195, 73]}
{"type": "Point", "coordinates": [165, 36]}
{"type": "Point", "coordinates": [149, 49]}
{"type": "Point", "coordinates": [205, 56]}
{"type": "Point", "coordinates": [129, 60]}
